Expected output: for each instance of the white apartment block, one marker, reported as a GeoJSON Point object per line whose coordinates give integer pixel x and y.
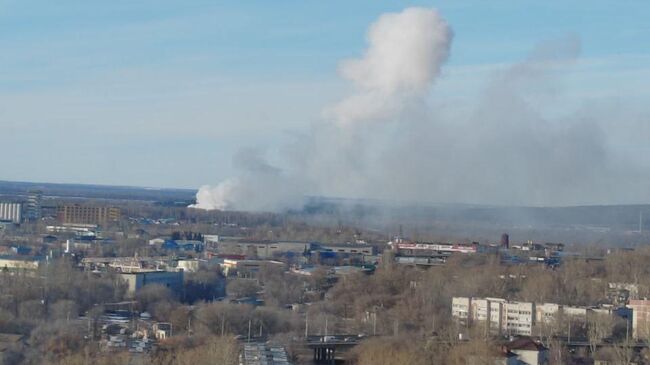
{"type": "Point", "coordinates": [460, 307]}
{"type": "Point", "coordinates": [519, 318]}
{"type": "Point", "coordinates": [513, 318]}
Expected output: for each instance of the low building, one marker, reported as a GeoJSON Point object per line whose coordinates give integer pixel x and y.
{"type": "Point", "coordinates": [528, 351]}
{"type": "Point", "coordinates": [162, 330]}
{"type": "Point", "coordinates": [264, 249]}
{"type": "Point", "coordinates": [547, 312]}
{"type": "Point", "coordinates": [13, 262]}
{"type": "Point", "coordinates": [156, 241]}
{"type": "Point", "coordinates": [190, 265]}
{"type": "Point", "coordinates": [494, 356]}
{"type": "Point", "coordinates": [211, 240]}
{"type": "Point", "coordinates": [350, 248]}
{"type": "Point", "coordinates": [579, 313]}
{"type": "Point", "coordinates": [246, 268]}
{"type": "Point", "coordinates": [621, 293]}
{"type": "Point", "coordinates": [173, 280]}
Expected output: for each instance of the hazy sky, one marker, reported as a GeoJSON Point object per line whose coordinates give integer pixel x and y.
{"type": "Point", "coordinates": [163, 93]}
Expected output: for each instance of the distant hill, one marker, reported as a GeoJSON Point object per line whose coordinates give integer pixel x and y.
{"type": "Point", "coordinates": [610, 224]}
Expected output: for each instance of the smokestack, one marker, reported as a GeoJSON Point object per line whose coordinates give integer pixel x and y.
{"type": "Point", "coordinates": [505, 241]}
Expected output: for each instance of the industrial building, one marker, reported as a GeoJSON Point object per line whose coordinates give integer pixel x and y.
{"type": "Point", "coordinates": [173, 280]}
{"type": "Point", "coordinates": [11, 212]}
{"type": "Point", "coordinates": [264, 249]}
{"type": "Point", "coordinates": [350, 248]}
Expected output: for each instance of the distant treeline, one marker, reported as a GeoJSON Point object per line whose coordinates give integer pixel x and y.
{"type": "Point", "coordinates": [164, 196]}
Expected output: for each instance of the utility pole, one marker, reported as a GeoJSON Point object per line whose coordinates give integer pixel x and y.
{"type": "Point", "coordinates": [325, 326]}
{"type": "Point", "coordinates": [374, 323]}
{"type": "Point", "coordinates": [249, 330]}
{"type": "Point", "coordinates": [306, 324]}
{"type": "Point", "coordinates": [189, 324]}
{"type": "Point", "coordinates": [223, 324]}
{"type": "Point", "coordinates": [433, 324]}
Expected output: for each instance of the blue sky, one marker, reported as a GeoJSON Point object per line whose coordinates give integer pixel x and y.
{"type": "Point", "coordinates": [162, 93]}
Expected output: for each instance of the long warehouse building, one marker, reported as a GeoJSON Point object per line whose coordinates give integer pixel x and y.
{"type": "Point", "coordinates": [11, 212]}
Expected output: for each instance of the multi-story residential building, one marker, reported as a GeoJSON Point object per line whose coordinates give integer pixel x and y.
{"type": "Point", "coordinates": [501, 316]}
{"type": "Point", "coordinates": [640, 318]}
{"type": "Point", "coordinates": [460, 308]}
{"type": "Point", "coordinates": [518, 318]}
{"type": "Point", "coordinates": [34, 205]}
{"type": "Point", "coordinates": [12, 212]}
{"type": "Point", "coordinates": [87, 214]}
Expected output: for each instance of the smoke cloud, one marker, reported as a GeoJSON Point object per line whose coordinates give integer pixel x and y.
{"type": "Point", "coordinates": [389, 140]}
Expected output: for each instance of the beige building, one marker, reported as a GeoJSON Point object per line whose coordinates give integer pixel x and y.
{"type": "Point", "coordinates": [87, 214]}
{"type": "Point", "coordinates": [519, 318]}
{"type": "Point", "coordinates": [640, 318]}
{"type": "Point", "coordinates": [547, 312]}
{"type": "Point", "coordinates": [514, 318]}
{"type": "Point", "coordinates": [19, 263]}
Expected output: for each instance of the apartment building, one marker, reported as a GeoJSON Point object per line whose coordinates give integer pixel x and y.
{"type": "Point", "coordinates": [519, 318]}
{"type": "Point", "coordinates": [515, 318]}
{"type": "Point", "coordinates": [87, 214]}
{"type": "Point", "coordinates": [460, 308]}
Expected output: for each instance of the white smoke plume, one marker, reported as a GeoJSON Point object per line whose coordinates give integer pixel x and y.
{"type": "Point", "coordinates": [406, 51]}
{"type": "Point", "coordinates": [405, 54]}
{"type": "Point", "coordinates": [389, 140]}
